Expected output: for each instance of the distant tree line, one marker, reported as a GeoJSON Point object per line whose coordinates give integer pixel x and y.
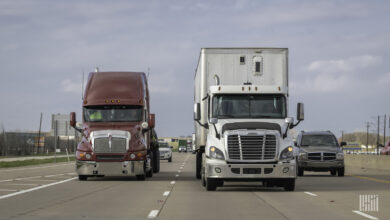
{"type": "Point", "coordinates": [361, 138]}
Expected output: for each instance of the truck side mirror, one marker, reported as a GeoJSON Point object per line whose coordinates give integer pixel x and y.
{"type": "Point", "coordinates": [197, 112]}
{"type": "Point", "coordinates": [152, 120]}
{"type": "Point", "coordinates": [300, 112]}
{"type": "Point", "coordinates": [295, 144]}
{"type": "Point", "coordinates": [343, 143]}
{"type": "Point", "coordinates": [72, 121]}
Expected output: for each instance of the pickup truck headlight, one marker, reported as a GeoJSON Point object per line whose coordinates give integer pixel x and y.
{"type": "Point", "coordinates": [302, 155]}
{"type": "Point", "coordinates": [216, 153]}
{"type": "Point", "coordinates": [287, 153]}
{"type": "Point", "coordinates": [340, 156]}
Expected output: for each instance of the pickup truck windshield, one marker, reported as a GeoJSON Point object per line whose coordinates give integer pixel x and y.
{"type": "Point", "coordinates": [318, 140]}
{"type": "Point", "coordinates": [113, 113]}
{"type": "Point", "coordinates": [249, 106]}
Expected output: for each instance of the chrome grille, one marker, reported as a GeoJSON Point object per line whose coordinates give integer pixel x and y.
{"type": "Point", "coordinates": [314, 156]}
{"type": "Point", "coordinates": [321, 156]}
{"type": "Point", "coordinates": [329, 156]}
{"type": "Point", "coordinates": [251, 147]}
{"type": "Point", "coordinates": [103, 145]}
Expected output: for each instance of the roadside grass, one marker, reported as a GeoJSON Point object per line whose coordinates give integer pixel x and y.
{"type": "Point", "coordinates": [7, 164]}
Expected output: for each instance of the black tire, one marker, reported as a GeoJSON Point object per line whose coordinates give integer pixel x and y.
{"type": "Point", "coordinates": [156, 161]}
{"type": "Point", "coordinates": [170, 159]}
{"type": "Point", "coordinates": [141, 177]}
{"type": "Point", "coordinates": [333, 172]}
{"type": "Point", "coordinates": [150, 172]}
{"type": "Point", "coordinates": [211, 184]}
{"type": "Point", "coordinates": [198, 164]}
{"type": "Point", "coordinates": [340, 171]}
{"type": "Point", "coordinates": [203, 181]}
{"type": "Point", "coordinates": [289, 185]}
{"type": "Point", "coordinates": [300, 171]}
{"type": "Point", "coordinates": [83, 177]}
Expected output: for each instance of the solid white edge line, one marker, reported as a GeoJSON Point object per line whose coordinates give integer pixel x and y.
{"type": "Point", "coordinates": [54, 175]}
{"type": "Point", "coordinates": [153, 214]}
{"type": "Point", "coordinates": [166, 193]}
{"type": "Point", "coordinates": [312, 194]}
{"type": "Point", "coordinates": [364, 214]}
{"type": "Point", "coordinates": [173, 182]}
{"type": "Point", "coordinates": [36, 188]}
{"type": "Point", "coordinates": [27, 178]}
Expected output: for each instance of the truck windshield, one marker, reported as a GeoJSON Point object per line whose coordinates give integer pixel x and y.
{"type": "Point", "coordinates": [113, 113]}
{"type": "Point", "coordinates": [318, 140]}
{"type": "Point", "coordinates": [249, 106]}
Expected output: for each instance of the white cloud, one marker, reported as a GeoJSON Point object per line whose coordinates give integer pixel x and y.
{"type": "Point", "coordinates": [68, 85]}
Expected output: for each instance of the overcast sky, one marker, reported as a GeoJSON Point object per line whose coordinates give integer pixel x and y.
{"type": "Point", "coordinates": [338, 52]}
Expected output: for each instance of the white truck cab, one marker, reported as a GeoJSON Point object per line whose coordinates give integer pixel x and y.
{"type": "Point", "coordinates": [241, 117]}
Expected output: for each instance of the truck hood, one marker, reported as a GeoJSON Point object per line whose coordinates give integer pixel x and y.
{"type": "Point", "coordinates": [224, 125]}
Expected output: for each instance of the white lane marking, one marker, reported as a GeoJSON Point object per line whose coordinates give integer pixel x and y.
{"type": "Point", "coordinates": [8, 190]}
{"type": "Point", "coordinates": [70, 173]}
{"type": "Point", "coordinates": [36, 188]}
{"type": "Point", "coordinates": [312, 194]}
{"type": "Point", "coordinates": [2, 181]}
{"type": "Point", "coordinates": [21, 184]}
{"type": "Point", "coordinates": [43, 180]}
{"type": "Point", "coordinates": [179, 171]}
{"type": "Point", "coordinates": [33, 168]}
{"type": "Point", "coordinates": [177, 175]}
{"type": "Point", "coordinates": [27, 178]}
{"type": "Point", "coordinates": [364, 214]}
{"type": "Point", "coordinates": [166, 193]}
{"type": "Point", "coordinates": [153, 214]}
{"type": "Point", "coordinates": [55, 175]}
{"type": "Point", "coordinates": [173, 182]}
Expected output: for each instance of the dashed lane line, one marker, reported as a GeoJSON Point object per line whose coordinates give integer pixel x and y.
{"type": "Point", "coordinates": [36, 188]}
{"type": "Point", "coordinates": [21, 184]}
{"type": "Point", "coordinates": [364, 214]}
{"type": "Point", "coordinates": [312, 194]}
{"type": "Point", "coordinates": [8, 190]}
{"type": "Point", "coordinates": [153, 214]}
{"type": "Point", "coordinates": [166, 193]}
{"type": "Point", "coordinates": [33, 168]}
{"type": "Point", "coordinates": [173, 182]}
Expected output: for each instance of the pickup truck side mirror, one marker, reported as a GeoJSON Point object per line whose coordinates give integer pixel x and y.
{"type": "Point", "coordinates": [197, 112]}
{"type": "Point", "coordinates": [343, 143]}
{"type": "Point", "coordinates": [295, 144]}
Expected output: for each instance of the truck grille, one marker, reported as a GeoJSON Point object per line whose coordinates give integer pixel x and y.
{"type": "Point", "coordinates": [103, 145]}
{"type": "Point", "coordinates": [251, 147]}
{"type": "Point", "coordinates": [321, 156]}
{"type": "Point", "coordinates": [110, 157]}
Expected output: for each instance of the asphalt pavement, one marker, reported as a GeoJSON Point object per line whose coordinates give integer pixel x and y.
{"type": "Point", "coordinates": [52, 191]}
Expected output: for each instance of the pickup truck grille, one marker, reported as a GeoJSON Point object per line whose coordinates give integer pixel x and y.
{"type": "Point", "coordinates": [321, 156]}
{"type": "Point", "coordinates": [104, 145]}
{"type": "Point", "coordinates": [251, 147]}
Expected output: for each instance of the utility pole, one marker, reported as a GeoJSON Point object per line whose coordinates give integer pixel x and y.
{"type": "Point", "coordinates": [377, 138]}
{"type": "Point", "coordinates": [55, 141]}
{"type": "Point", "coordinates": [384, 131]}
{"type": "Point", "coordinates": [39, 133]}
{"type": "Point", "coordinates": [342, 135]}
{"type": "Point", "coordinates": [368, 126]}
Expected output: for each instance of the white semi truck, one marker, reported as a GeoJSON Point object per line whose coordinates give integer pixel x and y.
{"type": "Point", "coordinates": [241, 117]}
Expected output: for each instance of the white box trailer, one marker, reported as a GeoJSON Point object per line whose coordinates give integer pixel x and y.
{"type": "Point", "coordinates": [233, 88]}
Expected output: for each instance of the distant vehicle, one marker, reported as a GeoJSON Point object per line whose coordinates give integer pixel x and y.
{"type": "Point", "coordinates": [165, 151]}
{"type": "Point", "coordinates": [182, 145]}
{"type": "Point", "coordinates": [320, 151]}
{"type": "Point", "coordinates": [386, 149]}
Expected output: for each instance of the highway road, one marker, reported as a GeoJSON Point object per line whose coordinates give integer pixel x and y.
{"type": "Point", "coordinates": [53, 192]}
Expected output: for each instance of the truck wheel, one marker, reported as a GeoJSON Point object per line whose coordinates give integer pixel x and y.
{"type": "Point", "coordinates": [340, 171]}
{"type": "Point", "coordinates": [83, 177]}
{"type": "Point", "coordinates": [289, 185]}
{"type": "Point", "coordinates": [150, 172]}
{"type": "Point", "coordinates": [333, 172]}
{"type": "Point", "coordinates": [198, 164]}
{"type": "Point", "coordinates": [211, 184]}
{"type": "Point", "coordinates": [300, 171]}
{"type": "Point", "coordinates": [170, 159]}
{"type": "Point", "coordinates": [156, 161]}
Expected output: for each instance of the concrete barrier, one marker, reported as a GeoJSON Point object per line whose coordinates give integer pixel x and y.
{"type": "Point", "coordinates": [377, 162]}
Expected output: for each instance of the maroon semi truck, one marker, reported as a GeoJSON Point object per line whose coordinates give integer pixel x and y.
{"type": "Point", "coordinates": [118, 136]}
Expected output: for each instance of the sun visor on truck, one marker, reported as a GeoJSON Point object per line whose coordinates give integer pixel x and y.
{"type": "Point", "coordinates": [251, 125]}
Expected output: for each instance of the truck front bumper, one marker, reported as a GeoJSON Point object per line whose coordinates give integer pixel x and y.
{"type": "Point", "coordinates": [320, 164]}
{"type": "Point", "coordinates": [125, 168]}
{"type": "Point", "coordinates": [222, 170]}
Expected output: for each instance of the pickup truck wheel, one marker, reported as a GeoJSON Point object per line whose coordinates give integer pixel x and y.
{"type": "Point", "coordinates": [300, 171]}
{"type": "Point", "coordinates": [289, 185]}
{"type": "Point", "coordinates": [198, 164]}
{"type": "Point", "coordinates": [83, 177]}
{"type": "Point", "coordinates": [170, 159]}
{"type": "Point", "coordinates": [340, 171]}
{"type": "Point", "coordinates": [333, 172]}
{"type": "Point", "coordinates": [203, 181]}
{"type": "Point", "coordinates": [156, 161]}
{"type": "Point", "coordinates": [211, 184]}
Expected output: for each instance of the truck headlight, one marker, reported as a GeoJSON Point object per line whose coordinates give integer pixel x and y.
{"type": "Point", "coordinates": [340, 156]}
{"type": "Point", "coordinates": [287, 153]}
{"type": "Point", "coordinates": [303, 156]}
{"type": "Point", "coordinates": [216, 153]}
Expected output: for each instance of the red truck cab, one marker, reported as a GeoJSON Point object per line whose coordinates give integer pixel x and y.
{"type": "Point", "coordinates": [117, 127]}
